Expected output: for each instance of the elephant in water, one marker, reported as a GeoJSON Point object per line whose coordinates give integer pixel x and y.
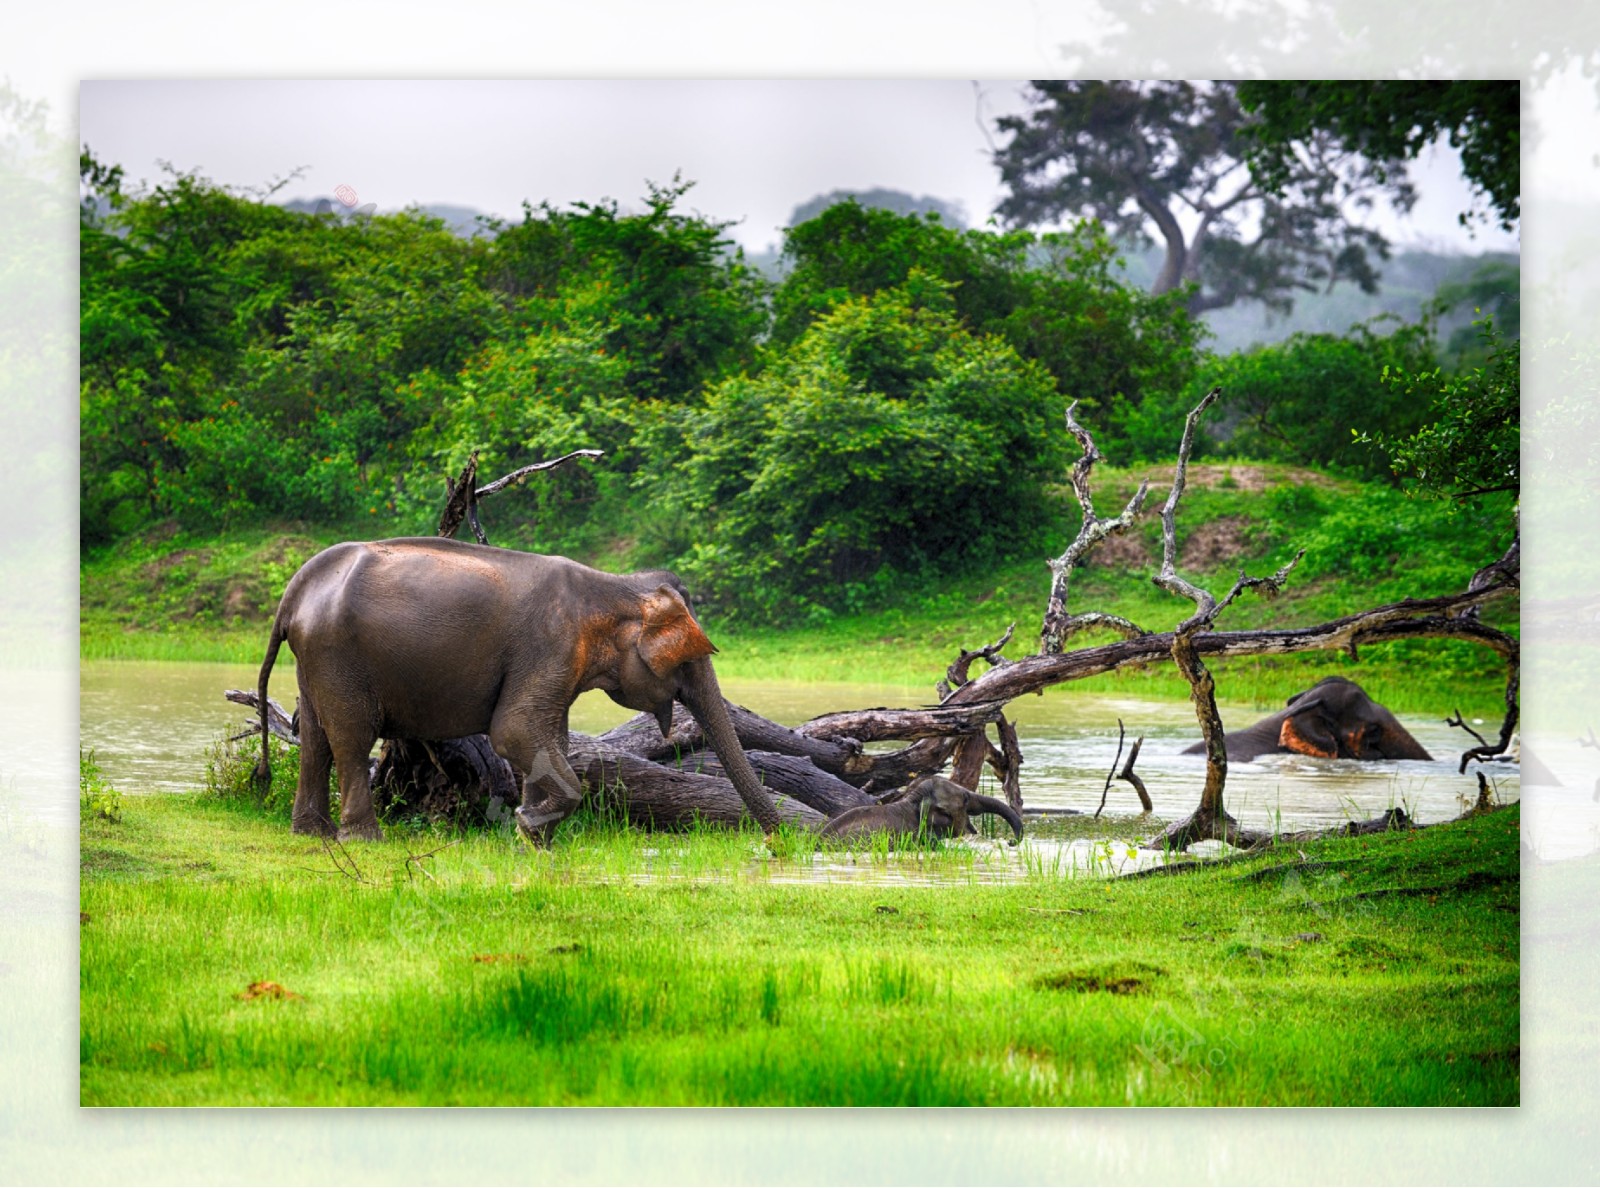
{"type": "Point", "coordinates": [932, 806]}
{"type": "Point", "coordinates": [1334, 719]}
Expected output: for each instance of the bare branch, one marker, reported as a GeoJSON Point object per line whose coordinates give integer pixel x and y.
{"type": "Point", "coordinates": [279, 722]}
{"type": "Point", "coordinates": [461, 503]}
{"type": "Point", "coordinates": [956, 674]}
{"type": "Point", "coordinates": [1459, 721]}
{"type": "Point", "coordinates": [1168, 579]}
{"type": "Point", "coordinates": [1127, 773]}
{"type": "Point", "coordinates": [516, 476]}
{"type": "Point", "coordinates": [1112, 773]}
{"type": "Point", "coordinates": [1058, 623]}
{"type": "Point", "coordinates": [1270, 587]}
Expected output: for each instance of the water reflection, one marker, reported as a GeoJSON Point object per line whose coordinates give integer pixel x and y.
{"type": "Point", "coordinates": [150, 725]}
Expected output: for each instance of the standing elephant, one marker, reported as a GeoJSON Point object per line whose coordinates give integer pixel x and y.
{"type": "Point", "coordinates": [1334, 719]}
{"type": "Point", "coordinates": [932, 805]}
{"type": "Point", "coordinates": [433, 638]}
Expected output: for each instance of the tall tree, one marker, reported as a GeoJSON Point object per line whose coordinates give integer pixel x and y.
{"type": "Point", "coordinates": [1167, 156]}
{"type": "Point", "coordinates": [1396, 120]}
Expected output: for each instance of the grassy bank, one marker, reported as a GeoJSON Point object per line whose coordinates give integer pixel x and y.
{"type": "Point", "coordinates": [226, 962]}
{"type": "Point", "coordinates": [166, 596]}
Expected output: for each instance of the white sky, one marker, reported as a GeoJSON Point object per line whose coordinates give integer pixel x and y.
{"type": "Point", "coordinates": [754, 149]}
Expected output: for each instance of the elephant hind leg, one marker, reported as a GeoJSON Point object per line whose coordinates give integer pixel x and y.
{"type": "Point", "coordinates": [351, 743]}
{"type": "Point", "coordinates": [311, 813]}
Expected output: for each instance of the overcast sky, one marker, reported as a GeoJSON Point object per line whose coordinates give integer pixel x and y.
{"type": "Point", "coordinates": [755, 150]}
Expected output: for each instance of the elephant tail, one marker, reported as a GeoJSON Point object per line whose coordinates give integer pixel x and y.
{"type": "Point", "coordinates": [274, 642]}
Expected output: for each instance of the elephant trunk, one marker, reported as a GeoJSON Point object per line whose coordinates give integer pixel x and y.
{"type": "Point", "coordinates": [703, 696]}
{"type": "Point", "coordinates": [988, 804]}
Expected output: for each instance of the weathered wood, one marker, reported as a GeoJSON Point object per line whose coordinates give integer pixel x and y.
{"type": "Point", "coordinates": [279, 722]}
{"type": "Point", "coordinates": [656, 796]}
{"type": "Point", "coordinates": [972, 752]}
{"type": "Point", "coordinates": [453, 779]}
{"type": "Point", "coordinates": [793, 776]}
{"type": "Point", "coordinates": [1011, 758]}
{"type": "Point", "coordinates": [904, 725]}
{"type": "Point", "coordinates": [462, 494]}
{"type": "Point", "coordinates": [642, 736]}
{"type": "Point", "coordinates": [1058, 624]}
{"type": "Point", "coordinates": [1410, 618]}
{"type": "Point", "coordinates": [461, 502]}
{"type": "Point", "coordinates": [956, 675]}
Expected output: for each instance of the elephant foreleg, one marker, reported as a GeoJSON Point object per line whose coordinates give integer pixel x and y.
{"type": "Point", "coordinates": [550, 788]}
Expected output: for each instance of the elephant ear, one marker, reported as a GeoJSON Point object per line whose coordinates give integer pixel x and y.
{"type": "Point", "coordinates": [1305, 733]}
{"type": "Point", "coordinates": [670, 636]}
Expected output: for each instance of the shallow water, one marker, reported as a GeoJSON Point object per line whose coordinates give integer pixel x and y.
{"type": "Point", "coordinates": [150, 725]}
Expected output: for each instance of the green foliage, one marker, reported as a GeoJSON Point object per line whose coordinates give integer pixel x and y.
{"type": "Point", "coordinates": [1472, 446]}
{"type": "Point", "coordinates": [240, 360]}
{"type": "Point", "coordinates": [1393, 119]}
{"type": "Point", "coordinates": [1395, 547]}
{"type": "Point", "coordinates": [887, 438]}
{"type": "Point", "coordinates": [662, 288]}
{"type": "Point", "coordinates": [1493, 290]}
{"type": "Point", "coordinates": [521, 400]}
{"type": "Point", "coordinates": [231, 775]}
{"type": "Point", "coordinates": [1299, 400]}
{"type": "Point", "coordinates": [96, 797]}
{"type": "Point", "coordinates": [1057, 299]}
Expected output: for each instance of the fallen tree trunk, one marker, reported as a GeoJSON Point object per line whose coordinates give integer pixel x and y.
{"type": "Point", "coordinates": [656, 796]}
{"type": "Point", "coordinates": [793, 776]}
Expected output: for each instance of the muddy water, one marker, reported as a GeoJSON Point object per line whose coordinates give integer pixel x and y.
{"type": "Point", "coordinates": [151, 723]}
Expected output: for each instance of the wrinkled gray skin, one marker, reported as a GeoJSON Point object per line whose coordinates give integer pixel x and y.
{"type": "Point", "coordinates": [932, 805]}
{"type": "Point", "coordinates": [1334, 719]}
{"type": "Point", "coordinates": [431, 638]}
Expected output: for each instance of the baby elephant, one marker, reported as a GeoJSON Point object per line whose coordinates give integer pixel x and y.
{"type": "Point", "coordinates": [932, 805]}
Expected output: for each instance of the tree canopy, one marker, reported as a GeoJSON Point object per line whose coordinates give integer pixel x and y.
{"type": "Point", "coordinates": [1168, 157]}
{"type": "Point", "coordinates": [1392, 120]}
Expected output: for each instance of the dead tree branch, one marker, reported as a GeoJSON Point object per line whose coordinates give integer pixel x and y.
{"type": "Point", "coordinates": [1059, 625]}
{"type": "Point", "coordinates": [279, 722]}
{"type": "Point", "coordinates": [1460, 722]}
{"type": "Point", "coordinates": [1122, 735]}
{"type": "Point", "coordinates": [462, 494]}
{"type": "Point", "coordinates": [1211, 818]}
{"type": "Point", "coordinates": [956, 675]}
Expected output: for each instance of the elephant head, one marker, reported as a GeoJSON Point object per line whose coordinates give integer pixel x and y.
{"type": "Point", "coordinates": [666, 657]}
{"type": "Point", "coordinates": [1334, 719]}
{"type": "Point", "coordinates": [931, 805]}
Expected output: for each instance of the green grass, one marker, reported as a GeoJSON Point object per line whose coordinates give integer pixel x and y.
{"type": "Point", "coordinates": [167, 596]}
{"type": "Point", "coordinates": [699, 969]}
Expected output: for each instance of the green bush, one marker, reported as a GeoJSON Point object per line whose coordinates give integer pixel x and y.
{"type": "Point", "coordinates": [1302, 399]}
{"type": "Point", "coordinates": [886, 440]}
{"type": "Point", "coordinates": [96, 796]}
{"type": "Point", "coordinates": [1471, 448]}
{"type": "Point", "coordinates": [231, 774]}
{"type": "Point", "coordinates": [1058, 299]}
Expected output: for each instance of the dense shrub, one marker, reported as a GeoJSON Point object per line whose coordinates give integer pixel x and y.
{"type": "Point", "coordinates": [1302, 400]}
{"type": "Point", "coordinates": [1058, 299]}
{"type": "Point", "coordinates": [887, 438]}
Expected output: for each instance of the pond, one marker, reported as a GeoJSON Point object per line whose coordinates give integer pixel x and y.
{"type": "Point", "coordinates": [150, 725]}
